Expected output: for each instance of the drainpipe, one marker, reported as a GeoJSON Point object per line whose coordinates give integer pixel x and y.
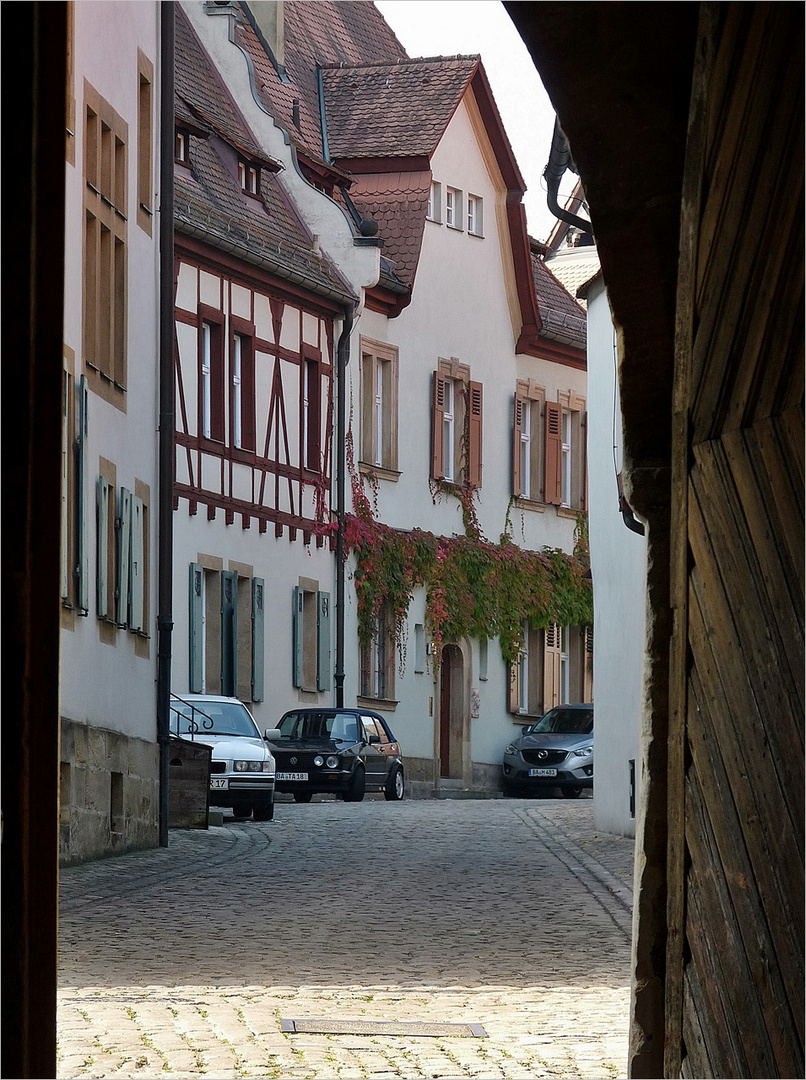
{"type": "Point", "coordinates": [166, 407]}
{"type": "Point", "coordinates": [342, 360]}
{"type": "Point", "coordinates": [559, 162]}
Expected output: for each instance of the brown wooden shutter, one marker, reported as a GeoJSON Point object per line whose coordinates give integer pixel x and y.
{"type": "Point", "coordinates": [437, 415]}
{"type": "Point", "coordinates": [217, 383]}
{"type": "Point", "coordinates": [551, 667]}
{"type": "Point", "coordinates": [517, 431]}
{"type": "Point", "coordinates": [475, 399]}
{"type": "Point", "coordinates": [553, 479]}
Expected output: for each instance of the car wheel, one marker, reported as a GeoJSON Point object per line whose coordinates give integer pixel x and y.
{"type": "Point", "coordinates": [355, 792]}
{"type": "Point", "coordinates": [394, 787]}
{"type": "Point", "coordinates": [571, 792]}
{"type": "Point", "coordinates": [264, 812]}
{"type": "Point", "coordinates": [241, 813]}
{"type": "Point", "coordinates": [302, 796]}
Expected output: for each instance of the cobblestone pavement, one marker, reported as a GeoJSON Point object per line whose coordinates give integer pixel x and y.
{"type": "Point", "coordinates": [506, 913]}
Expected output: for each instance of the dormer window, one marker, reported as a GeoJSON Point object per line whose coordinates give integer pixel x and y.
{"type": "Point", "coordinates": [248, 176]}
{"type": "Point", "coordinates": [182, 146]}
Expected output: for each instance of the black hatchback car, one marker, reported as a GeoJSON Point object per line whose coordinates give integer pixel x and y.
{"type": "Point", "coordinates": [556, 752]}
{"type": "Point", "coordinates": [345, 752]}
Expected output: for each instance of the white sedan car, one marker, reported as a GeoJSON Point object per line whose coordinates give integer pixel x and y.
{"type": "Point", "coordinates": [242, 769]}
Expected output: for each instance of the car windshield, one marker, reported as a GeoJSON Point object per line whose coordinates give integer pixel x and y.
{"type": "Point", "coordinates": [564, 722]}
{"type": "Point", "coordinates": [212, 718]}
{"type": "Point", "coordinates": [319, 726]}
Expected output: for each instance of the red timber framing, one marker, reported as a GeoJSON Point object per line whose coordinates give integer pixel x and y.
{"type": "Point", "coordinates": [255, 397]}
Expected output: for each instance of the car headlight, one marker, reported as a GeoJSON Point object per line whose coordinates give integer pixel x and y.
{"type": "Point", "coordinates": [511, 748]}
{"type": "Point", "coordinates": [319, 761]}
{"type": "Point", "coordinates": [250, 766]}
{"type": "Point", "coordinates": [332, 762]}
{"type": "Point", "coordinates": [584, 751]}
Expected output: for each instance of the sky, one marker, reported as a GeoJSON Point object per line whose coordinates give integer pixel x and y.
{"type": "Point", "coordinates": [448, 27]}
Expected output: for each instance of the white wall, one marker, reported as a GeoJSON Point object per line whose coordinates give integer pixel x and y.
{"type": "Point", "coordinates": [109, 685]}
{"type": "Point", "coordinates": [618, 565]}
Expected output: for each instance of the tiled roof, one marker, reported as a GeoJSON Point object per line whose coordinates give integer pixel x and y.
{"type": "Point", "coordinates": [397, 202]}
{"type": "Point", "coordinates": [574, 266]}
{"type": "Point", "coordinates": [209, 202]}
{"type": "Point", "coordinates": [562, 318]}
{"type": "Point", "coordinates": [369, 109]}
{"type": "Point", "coordinates": [323, 33]}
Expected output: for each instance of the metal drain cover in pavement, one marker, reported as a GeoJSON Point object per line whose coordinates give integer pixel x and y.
{"type": "Point", "coordinates": [381, 1027]}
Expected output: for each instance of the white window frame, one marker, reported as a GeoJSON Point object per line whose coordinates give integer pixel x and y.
{"type": "Point", "coordinates": [565, 664]}
{"type": "Point", "coordinates": [247, 177]}
{"type": "Point", "coordinates": [206, 379]}
{"type": "Point", "coordinates": [523, 670]}
{"type": "Point", "coordinates": [475, 215]}
{"type": "Point", "coordinates": [237, 400]}
{"type": "Point", "coordinates": [567, 462]}
{"type": "Point", "coordinates": [449, 430]}
{"type": "Point", "coordinates": [526, 451]}
{"type": "Point", "coordinates": [453, 208]}
{"type": "Point", "coordinates": [434, 207]}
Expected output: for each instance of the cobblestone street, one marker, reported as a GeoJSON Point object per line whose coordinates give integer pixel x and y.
{"type": "Point", "coordinates": [509, 914]}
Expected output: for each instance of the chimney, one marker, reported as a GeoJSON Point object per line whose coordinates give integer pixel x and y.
{"type": "Point", "coordinates": [268, 14]}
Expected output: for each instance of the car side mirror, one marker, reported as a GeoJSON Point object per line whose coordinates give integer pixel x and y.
{"type": "Point", "coordinates": [526, 729]}
{"type": "Point", "coordinates": [272, 734]}
{"type": "Point", "coordinates": [374, 740]}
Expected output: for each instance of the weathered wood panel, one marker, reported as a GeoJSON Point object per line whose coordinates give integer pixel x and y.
{"type": "Point", "coordinates": [735, 981]}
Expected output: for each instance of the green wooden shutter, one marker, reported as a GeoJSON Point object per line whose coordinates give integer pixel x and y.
{"type": "Point", "coordinates": [229, 631]}
{"type": "Point", "coordinates": [136, 566]}
{"type": "Point", "coordinates": [323, 641]}
{"type": "Point", "coordinates": [82, 562]}
{"type": "Point", "coordinates": [124, 548]}
{"type": "Point", "coordinates": [258, 593]}
{"type": "Point", "coordinates": [66, 459]}
{"type": "Point", "coordinates": [196, 626]}
{"type": "Point", "coordinates": [296, 637]}
{"type": "Point", "coordinates": [101, 582]}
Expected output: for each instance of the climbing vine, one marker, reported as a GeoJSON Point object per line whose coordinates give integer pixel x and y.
{"type": "Point", "coordinates": [474, 587]}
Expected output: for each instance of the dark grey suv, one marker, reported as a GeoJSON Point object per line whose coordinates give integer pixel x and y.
{"type": "Point", "coordinates": [556, 752]}
{"type": "Point", "coordinates": [344, 752]}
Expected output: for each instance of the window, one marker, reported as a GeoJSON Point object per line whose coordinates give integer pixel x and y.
{"type": "Point", "coordinates": [311, 637]}
{"type": "Point", "coordinates": [226, 631]}
{"type": "Point", "coordinates": [211, 375]}
{"type": "Point", "coordinates": [249, 177]}
{"type": "Point", "coordinates": [311, 410]}
{"type": "Point", "coordinates": [131, 572]}
{"type": "Point", "coordinates": [456, 435]}
{"type": "Point", "coordinates": [553, 667]}
{"type": "Point", "coordinates": [377, 660]}
{"type": "Point", "coordinates": [105, 212]}
{"type": "Point", "coordinates": [475, 223]}
{"type": "Point", "coordinates": [379, 388]}
{"type": "Point", "coordinates": [106, 547]}
{"type": "Point", "coordinates": [434, 208]}
{"type": "Point", "coordinates": [182, 146]}
{"type": "Point", "coordinates": [527, 444]}
{"type": "Point", "coordinates": [565, 452]}
{"type": "Point", "coordinates": [453, 208]}
{"type": "Point", "coordinates": [145, 185]}
{"type": "Point", "coordinates": [242, 386]}
{"type": "Point", "coordinates": [68, 500]}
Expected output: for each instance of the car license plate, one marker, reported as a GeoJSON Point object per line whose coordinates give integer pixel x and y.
{"type": "Point", "coordinates": [542, 772]}
{"type": "Point", "coordinates": [218, 783]}
{"type": "Point", "coordinates": [292, 776]}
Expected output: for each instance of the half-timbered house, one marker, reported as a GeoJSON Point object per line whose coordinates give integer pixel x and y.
{"type": "Point", "coordinates": [463, 375]}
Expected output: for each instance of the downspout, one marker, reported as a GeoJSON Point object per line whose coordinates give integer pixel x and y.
{"type": "Point", "coordinates": [559, 162]}
{"type": "Point", "coordinates": [342, 360]}
{"type": "Point", "coordinates": [166, 410]}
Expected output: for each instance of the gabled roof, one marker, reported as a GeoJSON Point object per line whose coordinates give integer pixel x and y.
{"type": "Point", "coordinates": [563, 319]}
{"type": "Point", "coordinates": [209, 203]}
{"type": "Point", "coordinates": [369, 107]}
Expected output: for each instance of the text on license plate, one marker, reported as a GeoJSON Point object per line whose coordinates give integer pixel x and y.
{"type": "Point", "coordinates": [217, 783]}
{"type": "Point", "coordinates": [542, 772]}
{"type": "Point", "coordinates": [292, 776]}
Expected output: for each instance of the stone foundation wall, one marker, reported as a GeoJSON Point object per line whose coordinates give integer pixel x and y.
{"type": "Point", "coordinates": [109, 793]}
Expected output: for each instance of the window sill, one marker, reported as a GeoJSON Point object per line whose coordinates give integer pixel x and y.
{"type": "Point", "coordinates": [378, 704]}
{"type": "Point", "coordinates": [530, 504]}
{"type": "Point", "coordinates": [568, 512]}
{"type": "Point", "coordinates": [379, 471]}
